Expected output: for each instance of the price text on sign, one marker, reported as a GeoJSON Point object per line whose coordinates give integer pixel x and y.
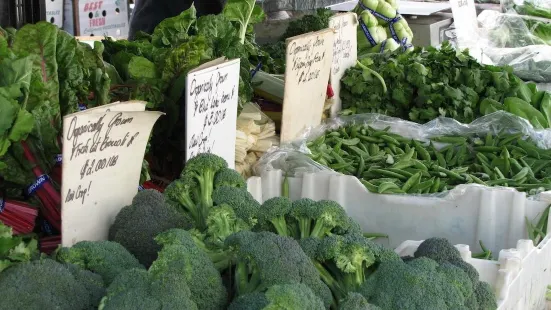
{"type": "Point", "coordinates": [466, 25]}
{"type": "Point", "coordinates": [211, 110]}
{"type": "Point", "coordinates": [102, 159]}
{"type": "Point", "coordinates": [345, 52]}
{"type": "Point", "coordinates": [309, 59]}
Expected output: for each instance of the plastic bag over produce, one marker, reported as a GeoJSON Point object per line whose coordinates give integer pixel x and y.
{"type": "Point", "coordinates": [294, 158]}
{"type": "Point", "coordinates": [536, 8]}
{"type": "Point", "coordinates": [521, 42]}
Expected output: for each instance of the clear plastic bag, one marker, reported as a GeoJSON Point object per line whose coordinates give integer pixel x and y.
{"type": "Point", "coordinates": [294, 160]}
{"type": "Point", "coordinates": [516, 41]}
{"type": "Point", "coordinates": [536, 8]}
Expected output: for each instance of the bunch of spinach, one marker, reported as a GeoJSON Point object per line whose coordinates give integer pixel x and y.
{"type": "Point", "coordinates": [427, 83]}
{"type": "Point", "coordinates": [154, 67]}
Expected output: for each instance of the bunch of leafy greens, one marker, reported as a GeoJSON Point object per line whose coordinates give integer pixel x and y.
{"type": "Point", "coordinates": [15, 249]}
{"type": "Point", "coordinates": [308, 23]}
{"type": "Point", "coordinates": [427, 83]}
{"type": "Point", "coordinates": [154, 67]}
{"type": "Point", "coordinates": [46, 73]}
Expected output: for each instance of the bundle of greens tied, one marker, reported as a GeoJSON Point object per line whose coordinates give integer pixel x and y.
{"type": "Point", "coordinates": [427, 83]}
{"type": "Point", "coordinates": [206, 243]}
{"type": "Point", "coordinates": [388, 163]}
{"type": "Point", "coordinates": [45, 74]}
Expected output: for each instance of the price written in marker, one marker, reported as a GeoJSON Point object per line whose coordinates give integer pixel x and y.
{"type": "Point", "coordinates": [345, 52]}
{"type": "Point", "coordinates": [101, 168]}
{"type": "Point", "coordinates": [211, 109]}
{"type": "Point", "coordinates": [309, 59]}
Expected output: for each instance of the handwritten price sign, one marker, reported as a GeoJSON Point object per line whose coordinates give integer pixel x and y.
{"type": "Point", "coordinates": [102, 158]}
{"type": "Point", "coordinates": [211, 109]}
{"type": "Point", "coordinates": [345, 52]}
{"type": "Point", "coordinates": [309, 60]}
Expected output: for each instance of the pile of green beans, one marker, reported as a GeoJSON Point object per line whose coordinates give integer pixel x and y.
{"type": "Point", "coordinates": [388, 163]}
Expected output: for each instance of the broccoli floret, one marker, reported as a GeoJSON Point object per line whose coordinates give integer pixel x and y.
{"type": "Point", "coordinates": [93, 283]}
{"type": "Point", "coordinates": [240, 200]}
{"type": "Point", "coordinates": [274, 211]}
{"type": "Point", "coordinates": [355, 301]}
{"type": "Point", "coordinates": [106, 258]}
{"type": "Point", "coordinates": [319, 219]}
{"type": "Point", "coordinates": [229, 177]}
{"type": "Point", "coordinates": [485, 297]}
{"type": "Point", "coordinates": [137, 225]}
{"type": "Point", "coordinates": [180, 255]}
{"type": "Point", "coordinates": [218, 255]}
{"type": "Point", "coordinates": [416, 285]}
{"type": "Point", "coordinates": [45, 284]}
{"type": "Point", "coordinates": [183, 194]}
{"type": "Point", "coordinates": [286, 296]}
{"type": "Point", "coordinates": [342, 261]}
{"type": "Point", "coordinates": [302, 211]}
{"type": "Point", "coordinates": [265, 259]}
{"type": "Point", "coordinates": [438, 249]}
{"type": "Point", "coordinates": [459, 280]}
{"type": "Point", "coordinates": [222, 222]}
{"type": "Point", "coordinates": [203, 169]}
{"type": "Point", "coordinates": [137, 289]}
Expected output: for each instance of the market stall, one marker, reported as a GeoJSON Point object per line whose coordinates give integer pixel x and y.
{"type": "Point", "coordinates": [277, 155]}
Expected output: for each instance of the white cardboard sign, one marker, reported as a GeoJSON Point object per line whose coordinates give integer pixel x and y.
{"type": "Point", "coordinates": [309, 59]}
{"type": "Point", "coordinates": [465, 22]}
{"type": "Point", "coordinates": [54, 12]}
{"type": "Point", "coordinates": [211, 109]}
{"type": "Point", "coordinates": [345, 52]}
{"type": "Point", "coordinates": [97, 18]}
{"type": "Point", "coordinates": [102, 159]}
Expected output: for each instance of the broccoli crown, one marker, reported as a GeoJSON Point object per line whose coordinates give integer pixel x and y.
{"type": "Point", "coordinates": [459, 280]}
{"type": "Point", "coordinates": [180, 255]}
{"type": "Point", "coordinates": [45, 284]}
{"type": "Point", "coordinates": [286, 296]}
{"type": "Point", "coordinates": [302, 215]}
{"type": "Point", "coordinates": [137, 225]}
{"type": "Point", "coordinates": [438, 249]}
{"type": "Point", "coordinates": [272, 215]}
{"type": "Point", "coordinates": [355, 301]}
{"type": "Point", "coordinates": [240, 200]}
{"type": "Point", "coordinates": [229, 177]}
{"type": "Point", "coordinates": [485, 297]}
{"type": "Point", "coordinates": [265, 259]}
{"type": "Point", "coordinates": [137, 289]}
{"type": "Point", "coordinates": [106, 258]}
{"type": "Point", "coordinates": [417, 284]}
{"type": "Point", "coordinates": [328, 216]}
{"type": "Point", "coordinates": [203, 169]}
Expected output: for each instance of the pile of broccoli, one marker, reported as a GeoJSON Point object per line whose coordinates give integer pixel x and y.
{"type": "Point", "coordinates": [206, 243]}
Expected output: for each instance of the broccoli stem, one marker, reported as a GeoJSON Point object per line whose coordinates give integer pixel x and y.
{"type": "Point", "coordinates": [206, 183]}
{"type": "Point", "coordinates": [304, 227]}
{"type": "Point", "coordinates": [335, 287]}
{"type": "Point", "coordinates": [319, 230]}
{"type": "Point", "coordinates": [244, 284]}
{"type": "Point", "coordinates": [280, 225]}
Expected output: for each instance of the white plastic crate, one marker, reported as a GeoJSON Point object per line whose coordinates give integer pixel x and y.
{"type": "Point", "coordinates": [519, 277]}
{"type": "Point", "coordinates": [495, 216]}
{"type": "Point", "coordinates": [467, 215]}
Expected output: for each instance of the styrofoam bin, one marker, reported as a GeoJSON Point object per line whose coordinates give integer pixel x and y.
{"type": "Point", "coordinates": [519, 277]}
{"type": "Point", "coordinates": [467, 215]}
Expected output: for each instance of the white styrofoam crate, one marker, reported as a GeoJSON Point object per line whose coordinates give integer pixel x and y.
{"type": "Point", "coordinates": [467, 215]}
{"type": "Point", "coordinates": [495, 216]}
{"type": "Point", "coordinates": [519, 277]}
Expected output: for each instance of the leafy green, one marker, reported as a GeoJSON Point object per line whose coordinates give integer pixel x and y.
{"type": "Point", "coordinates": [427, 83]}
{"type": "Point", "coordinates": [14, 249]}
{"type": "Point", "coordinates": [245, 13]}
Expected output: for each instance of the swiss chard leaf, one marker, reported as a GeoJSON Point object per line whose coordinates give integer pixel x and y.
{"type": "Point", "coordinates": [175, 30]}
{"type": "Point", "coordinates": [244, 13]}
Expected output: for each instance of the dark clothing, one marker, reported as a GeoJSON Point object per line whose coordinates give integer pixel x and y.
{"type": "Point", "coordinates": [149, 13]}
